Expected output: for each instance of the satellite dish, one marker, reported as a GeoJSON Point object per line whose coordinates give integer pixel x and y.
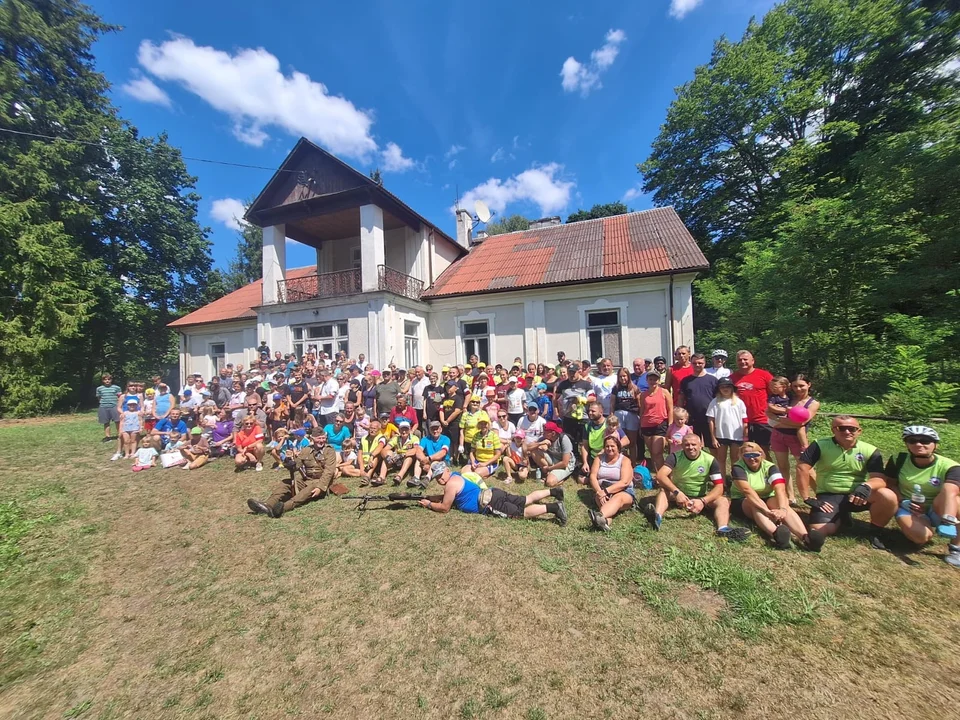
{"type": "Point", "coordinates": [483, 212]}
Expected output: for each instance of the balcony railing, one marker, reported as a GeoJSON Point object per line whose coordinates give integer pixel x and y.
{"type": "Point", "coordinates": [319, 285]}
{"type": "Point", "coordinates": [399, 284]}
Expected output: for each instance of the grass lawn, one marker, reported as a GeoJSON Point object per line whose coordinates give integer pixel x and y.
{"type": "Point", "coordinates": [158, 595]}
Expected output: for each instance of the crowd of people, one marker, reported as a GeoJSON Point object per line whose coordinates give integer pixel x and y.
{"type": "Point", "coordinates": [708, 439]}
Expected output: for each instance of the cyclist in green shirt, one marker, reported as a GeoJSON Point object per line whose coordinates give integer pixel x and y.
{"type": "Point", "coordinates": [927, 486]}
{"type": "Point", "coordinates": [759, 493]}
{"type": "Point", "coordinates": [691, 479]}
{"type": "Point", "coordinates": [850, 479]}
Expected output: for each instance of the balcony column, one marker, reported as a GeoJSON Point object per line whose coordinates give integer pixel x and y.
{"type": "Point", "coordinates": [274, 261]}
{"type": "Point", "coordinates": [371, 247]}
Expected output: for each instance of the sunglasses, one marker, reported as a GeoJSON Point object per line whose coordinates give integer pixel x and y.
{"type": "Point", "coordinates": [919, 439]}
{"type": "Point", "coordinates": [502, 417]}
{"type": "Point", "coordinates": [848, 428]}
{"type": "Point", "coordinates": [751, 456]}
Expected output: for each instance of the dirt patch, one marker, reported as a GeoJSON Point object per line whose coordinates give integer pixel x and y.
{"type": "Point", "coordinates": [706, 602]}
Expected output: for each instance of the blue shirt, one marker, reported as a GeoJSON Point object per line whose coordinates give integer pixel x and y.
{"type": "Point", "coordinates": [431, 446]}
{"type": "Point", "coordinates": [640, 381]}
{"type": "Point", "coordinates": [336, 438]}
{"type": "Point", "coordinates": [546, 407]}
{"type": "Point", "coordinates": [468, 499]}
{"type": "Point", "coordinates": [166, 425]}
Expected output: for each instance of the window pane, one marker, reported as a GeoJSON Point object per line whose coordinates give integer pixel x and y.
{"type": "Point", "coordinates": [344, 346]}
{"type": "Point", "coordinates": [483, 349]}
{"type": "Point", "coordinates": [410, 328]}
{"type": "Point", "coordinates": [298, 333]}
{"type": "Point", "coordinates": [475, 328]}
{"type": "Point", "coordinates": [327, 348]}
{"type": "Point", "coordinates": [611, 345]}
{"type": "Point", "coordinates": [342, 329]}
{"type": "Point", "coordinates": [320, 331]}
{"type": "Point", "coordinates": [600, 319]}
{"type": "Point", "coordinates": [298, 349]}
{"type": "Point", "coordinates": [596, 344]}
{"type": "Point", "coordinates": [217, 349]}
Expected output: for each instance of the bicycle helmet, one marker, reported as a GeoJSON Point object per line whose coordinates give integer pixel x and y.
{"type": "Point", "coordinates": [920, 431]}
{"type": "Point", "coordinates": [719, 353]}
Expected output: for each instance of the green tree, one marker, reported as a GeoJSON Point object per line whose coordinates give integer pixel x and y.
{"type": "Point", "coordinates": [376, 177]}
{"type": "Point", "coordinates": [247, 264]}
{"type": "Point", "coordinates": [514, 223]}
{"type": "Point", "coordinates": [599, 211]}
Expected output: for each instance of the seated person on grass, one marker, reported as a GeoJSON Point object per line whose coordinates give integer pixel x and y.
{"type": "Point", "coordinates": [927, 487]}
{"type": "Point", "coordinates": [197, 451]}
{"type": "Point", "coordinates": [691, 480]}
{"type": "Point", "coordinates": [161, 431]}
{"type": "Point", "coordinates": [349, 465]}
{"type": "Point", "coordinates": [222, 435]}
{"type": "Point", "coordinates": [469, 497]}
{"type": "Point", "coordinates": [311, 476]}
{"type": "Point", "coordinates": [146, 456]}
{"type": "Point", "coordinates": [850, 479]}
{"type": "Point", "coordinates": [401, 454]}
{"type": "Point", "coordinates": [373, 449]}
{"type": "Point", "coordinates": [248, 441]}
{"type": "Point", "coordinates": [759, 494]}
{"type": "Point", "coordinates": [433, 447]}
{"type": "Point", "coordinates": [611, 478]}
{"type": "Point", "coordinates": [485, 449]}
{"type": "Point", "coordinates": [553, 455]}
{"type": "Point", "coordinates": [337, 432]}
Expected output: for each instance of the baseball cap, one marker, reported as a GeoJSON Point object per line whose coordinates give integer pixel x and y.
{"type": "Point", "coordinates": [403, 424]}
{"type": "Point", "coordinates": [481, 365]}
{"type": "Point", "coordinates": [435, 424]}
{"type": "Point", "coordinates": [196, 431]}
{"type": "Point", "coordinates": [647, 360]}
{"type": "Point", "coordinates": [725, 382]}
{"type": "Point", "coordinates": [188, 391]}
{"type": "Point", "coordinates": [541, 386]}
{"type": "Point", "coordinates": [277, 396]}
{"type": "Point", "coordinates": [384, 415]}
{"type": "Point", "coordinates": [659, 358]}
{"type": "Point", "coordinates": [483, 419]}
{"type": "Point", "coordinates": [436, 469]}
{"type": "Point", "coordinates": [511, 380]}
{"type": "Point", "coordinates": [299, 433]}
{"type": "Point", "coordinates": [446, 368]}
{"type": "Point", "coordinates": [132, 401]}
{"type": "Point", "coordinates": [468, 367]}
{"type": "Point", "coordinates": [653, 373]}
{"type": "Point", "coordinates": [552, 427]}
{"type": "Point", "coordinates": [532, 405]}
{"type": "Point", "coordinates": [205, 392]}
{"type": "Point", "coordinates": [149, 392]}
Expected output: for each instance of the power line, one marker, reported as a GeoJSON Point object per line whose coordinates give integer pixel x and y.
{"type": "Point", "coordinates": [104, 145]}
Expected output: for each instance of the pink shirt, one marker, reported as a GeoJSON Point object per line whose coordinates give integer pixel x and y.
{"type": "Point", "coordinates": [676, 434]}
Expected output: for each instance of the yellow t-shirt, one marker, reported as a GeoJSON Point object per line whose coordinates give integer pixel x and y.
{"type": "Point", "coordinates": [486, 446]}
{"type": "Point", "coordinates": [468, 423]}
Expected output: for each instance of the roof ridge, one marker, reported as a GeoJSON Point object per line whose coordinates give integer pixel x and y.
{"type": "Point", "coordinates": [579, 222]}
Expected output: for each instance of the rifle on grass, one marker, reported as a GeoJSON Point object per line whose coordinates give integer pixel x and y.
{"type": "Point", "coordinates": [395, 497]}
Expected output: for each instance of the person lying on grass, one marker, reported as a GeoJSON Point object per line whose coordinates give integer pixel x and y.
{"type": "Point", "coordinates": [850, 479]}
{"type": "Point", "coordinates": [311, 476]}
{"type": "Point", "coordinates": [691, 479]}
{"type": "Point", "coordinates": [611, 478]}
{"type": "Point", "coordinates": [927, 487]}
{"type": "Point", "coordinates": [759, 494]}
{"type": "Point", "coordinates": [470, 497]}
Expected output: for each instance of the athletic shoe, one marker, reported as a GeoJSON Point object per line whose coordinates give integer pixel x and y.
{"type": "Point", "coordinates": [559, 495]}
{"type": "Point", "coordinates": [734, 534]}
{"type": "Point", "coordinates": [259, 467]}
{"type": "Point", "coordinates": [815, 540]}
{"type": "Point", "coordinates": [948, 527]}
{"type": "Point", "coordinates": [592, 514]}
{"type": "Point", "coordinates": [781, 538]}
{"type": "Point", "coordinates": [952, 557]}
{"type": "Point", "coordinates": [258, 508]}
{"type": "Point", "coordinates": [876, 541]}
{"type": "Point", "coordinates": [561, 515]}
{"type": "Point", "coordinates": [602, 522]}
{"type": "Point", "coordinates": [413, 482]}
{"type": "Point", "coordinates": [116, 456]}
{"type": "Point", "coordinates": [653, 517]}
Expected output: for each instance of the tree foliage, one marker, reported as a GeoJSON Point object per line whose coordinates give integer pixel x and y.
{"type": "Point", "coordinates": [247, 264]}
{"type": "Point", "coordinates": [816, 161]}
{"type": "Point", "coordinates": [99, 244]}
{"type": "Point", "coordinates": [514, 223]}
{"type": "Point", "coordinates": [599, 211]}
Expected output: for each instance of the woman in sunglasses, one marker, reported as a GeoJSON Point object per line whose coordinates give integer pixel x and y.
{"type": "Point", "coordinates": [759, 494]}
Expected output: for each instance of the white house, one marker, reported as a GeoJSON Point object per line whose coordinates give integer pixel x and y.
{"type": "Point", "coordinates": [389, 284]}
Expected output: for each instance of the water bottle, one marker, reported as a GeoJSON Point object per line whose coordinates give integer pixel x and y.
{"type": "Point", "coordinates": [917, 497]}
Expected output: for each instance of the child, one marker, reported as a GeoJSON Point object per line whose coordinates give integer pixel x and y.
{"type": "Point", "coordinates": [614, 430]}
{"type": "Point", "coordinates": [130, 426]}
{"type": "Point", "coordinates": [512, 461]}
{"type": "Point", "coordinates": [727, 416]}
{"type": "Point", "coordinates": [778, 402]}
{"type": "Point", "coordinates": [544, 402]}
{"type": "Point", "coordinates": [208, 420]}
{"type": "Point", "coordinates": [361, 423]}
{"type": "Point", "coordinates": [275, 446]}
{"type": "Point", "coordinates": [175, 442]}
{"type": "Point", "coordinates": [146, 456]}
{"type": "Point", "coordinates": [678, 429]}
{"type": "Point", "coordinates": [149, 405]}
{"type": "Point", "coordinates": [349, 464]}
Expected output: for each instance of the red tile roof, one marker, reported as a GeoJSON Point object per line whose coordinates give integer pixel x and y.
{"type": "Point", "coordinates": [237, 305]}
{"type": "Point", "coordinates": [650, 242]}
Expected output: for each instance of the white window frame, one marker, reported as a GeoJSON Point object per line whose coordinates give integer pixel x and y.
{"type": "Point", "coordinates": [356, 258]}
{"type": "Point", "coordinates": [213, 357]}
{"type": "Point", "coordinates": [471, 317]}
{"type": "Point", "coordinates": [412, 359]}
{"type": "Point", "coordinates": [604, 305]}
{"type": "Point", "coordinates": [334, 341]}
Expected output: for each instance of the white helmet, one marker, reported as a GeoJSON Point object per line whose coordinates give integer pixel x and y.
{"type": "Point", "coordinates": [719, 353]}
{"type": "Point", "coordinates": [921, 431]}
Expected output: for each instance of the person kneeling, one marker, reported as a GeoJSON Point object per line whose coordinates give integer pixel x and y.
{"type": "Point", "coordinates": [759, 494]}
{"type": "Point", "coordinates": [469, 497]}
{"type": "Point", "coordinates": [611, 478]}
{"type": "Point", "coordinates": [684, 478]}
{"type": "Point", "coordinates": [311, 476]}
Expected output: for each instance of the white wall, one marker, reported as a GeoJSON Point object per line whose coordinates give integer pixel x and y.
{"type": "Point", "coordinates": [505, 321]}
{"type": "Point", "coordinates": [276, 322]}
{"type": "Point", "coordinates": [444, 254]}
{"type": "Point", "coordinates": [240, 342]}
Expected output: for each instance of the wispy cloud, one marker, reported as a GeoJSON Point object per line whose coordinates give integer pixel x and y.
{"type": "Point", "coordinates": [585, 76]}
{"type": "Point", "coordinates": [393, 159]}
{"type": "Point", "coordinates": [542, 185]}
{"type": "Point", "coordinates": [632, 193]}
{"type": "Point", "coordinates": [451, 155]}
{"type": "Point", "coordinates": [146, 90]}
{"type": "Point", "coordinates": [501, 154]}
{"type": "Point", "coordinates": [679, 9]}
{"type": "Point", "coordinates": [228, 211]}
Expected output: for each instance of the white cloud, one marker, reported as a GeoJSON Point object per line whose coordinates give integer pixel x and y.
{"type": "Point", "coordinates": [541, 185]}
{"type": "Point", "coordinates": [393, 159]}
{"type": "Point", "coordinates": [229, 211]}
{"type": "Point", "coordinates": [250, 87]}
{"type": "Point", "coordinates": [501, 154]}
{"type": "Point", "coordinates": [679, 9]}
{"type": "Point", "coordinates": [145, 90]}
{"type": "Point", "coordinates": [452, 164]}
{"type": "Point", "coordinates": [585, 77]}
{"type": "Point", "coordinates": [632, 194]}
{"type": "Point", "coordinates": [454, 150]}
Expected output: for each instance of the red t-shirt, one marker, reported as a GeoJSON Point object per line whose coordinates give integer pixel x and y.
{"type": "Point", "coordinates": [408, 412]}
{"type": "Point", "coordinates": [752, 389]}
{"type": "Point", "coordinates": [677, 374]}
{"type": "Point", "coordinates": [246, 438]}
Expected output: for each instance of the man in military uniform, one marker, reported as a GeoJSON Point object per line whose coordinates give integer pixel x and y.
{"type": "Point", "coordinates": [311, 476]}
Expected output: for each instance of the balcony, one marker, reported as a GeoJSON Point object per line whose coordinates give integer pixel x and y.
{"type": "Point", "coordinates": [346, 282]}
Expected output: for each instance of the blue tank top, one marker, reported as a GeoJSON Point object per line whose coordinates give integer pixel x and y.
{"type": "Point", "coordinates": [468, 499]}
{"type": "Point", "coordinates": [162, 403]}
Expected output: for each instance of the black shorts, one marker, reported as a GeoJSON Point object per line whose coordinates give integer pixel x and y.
{"type": "Point", "coordinates": [841, 507]}
{"type": "Point", "coordinates": [730, 443]}
{"type": "Point", "coordinates": [515, 418]}
{"type": "Point", "coordinates": [760, 434]}
{"type": "Point", "coordinates": [574, 430]}
{"type": "Point", "coordinates": [503, 504]}
{"type": "Point", "coordinates": [467, 449]}
{"type": "Point", "coordinates": [655, 431]}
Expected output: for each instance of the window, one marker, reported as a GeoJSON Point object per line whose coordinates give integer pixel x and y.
{"type": "Point", "coordinates": [330, 338]}
{"type": "Point", "coordinates": [603, 335]}
{"type": "Point", "coordinates": [355, 258]}
{"type": "Point", "coordinates": [476, 340]}
{"type": "Point", "coordinates": [411, 343]}
{"type": "Point", "coordinates": [218, 357]}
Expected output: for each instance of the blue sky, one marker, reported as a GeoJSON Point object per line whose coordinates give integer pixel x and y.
{"type": "Point", "coordinates": [538, 108]}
